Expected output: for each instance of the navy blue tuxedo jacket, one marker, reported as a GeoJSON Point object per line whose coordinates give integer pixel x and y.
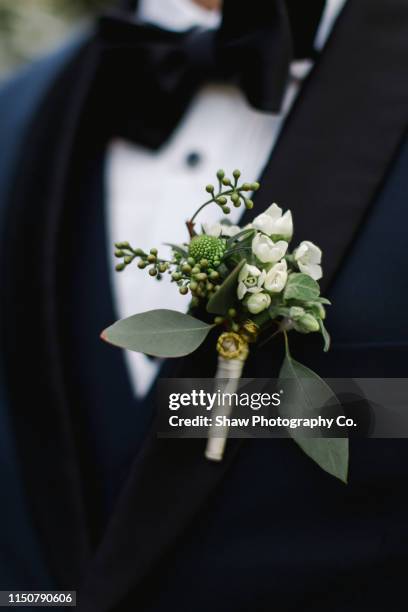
{"type": "Point", "coordinates": [266, 529]}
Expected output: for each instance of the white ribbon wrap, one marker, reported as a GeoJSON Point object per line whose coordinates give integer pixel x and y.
{"type": "Point", "coordinates": [229, 371]}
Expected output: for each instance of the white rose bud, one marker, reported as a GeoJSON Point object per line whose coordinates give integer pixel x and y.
{"type": "Point", "coordinates": [308, 257]}
{"type": "Point", "coordinates": [250, 280]}
{"type": "Point", "coordinates": [257, 302]}
{"type": "Point", "coordinates": [276, 278]}
{"type": "Point", "coordinates": [273, 223]}
{"type": "Point", "coordinates": [268, 251]}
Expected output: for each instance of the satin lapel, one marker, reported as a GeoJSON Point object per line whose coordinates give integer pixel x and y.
{"type": "Point", "coordinates": [31, 326]}
{"type": "Point", "coordinates": [328, 165]}
{"type": "Point", "coordinates": [343, 133]}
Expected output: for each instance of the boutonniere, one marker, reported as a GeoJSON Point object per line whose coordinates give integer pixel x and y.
{"type": "Point", "coordinates": [253, 286]}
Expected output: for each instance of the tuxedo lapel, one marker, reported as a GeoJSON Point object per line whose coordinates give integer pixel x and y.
{"type": "Point", "coordinates": [31, 326]}
{"type": "Point", "coordinates": [327, 167]}
{"type": "Point", "coordinates": [344, 130]}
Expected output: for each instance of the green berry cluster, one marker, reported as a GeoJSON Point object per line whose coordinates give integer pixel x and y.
{"type": "Point", "coordinates": [196, 275]}
{"type": "Point", "coordinates": [234, 195]}
{"type": "Point", "coordinates": [156, 267]}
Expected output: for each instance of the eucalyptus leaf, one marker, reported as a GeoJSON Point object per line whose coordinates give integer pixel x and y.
{"type": "Point", "coordinates": [160, 333]}
{"type": "Point", "coordinates": [227, 293]}
{"type": "Point", "coordinates": [305, 395]}
{"type": "Point", "coordinates": [301, 287]}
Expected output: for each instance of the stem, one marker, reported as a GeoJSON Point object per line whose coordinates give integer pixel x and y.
{"type": "Point", "coordinates": [190, 223]}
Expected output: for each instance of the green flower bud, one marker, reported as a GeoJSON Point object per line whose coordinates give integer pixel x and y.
{"type": "Point", "coordinates": [249, 204]}
{"type": "Point", "coordinates": [153, 272]}
{"type": "Point", "coordinates": [139, 252]}
{"type": "Point", "coordinates": [190, 261]}
{"type": "Point", "coordinates": [204, 263]}
{"type": "Point", "coordinates": [120, 267]}
{"type": "Point", "coordinates": [220, 174]}
{"type": "Point", "coordinates": [128, 259]}
{"type": "Point", "coordinates": [309, 323]}
{"type": "Point", "coordinates": [163, 267]}
{"type": "Point", "coordinates": [219, 320]}
{"type": "Point", "coordinates": [194, 302]}
{"type": "Point", "coordinates": [295, 312]}
{"type": "Point", "coordinates": [209, 287]}
{"type": "Point", "coordinates": [214, 275]}
{"type": "Point", "coordinates": [186, 268]}
{"type": "Point", "coordinates": [193, 286]}
{"type": "Point", "coordinates": [255, 186]}
{"type": "Point", "coordinates": [176, 276]}
{"type": "Point", "coordinates": [119, 254]}
{"type": "Point", "coordinates": [141, 264]}
{"type": "Point", "coordinates": [153, 251]}
{"type": "Point", "coordinates": [221, 200]}
{"type": "Point", "coordinates": [235, 199]}
{"type": "Point", "coordinates": [216, 263]}
{"type": "Point", "coordinates": [226, 181]}
{"type": "Point", "coordinates": [246, 187]}
{"type": "Point", "coordinates": [201, 276]}
{"type": "Point", "coordinates": [236, 174]}
{"type": "Point", "coordinates": [196, 270]}
{"type": "Point", "coordinates": [151, 258]}
{"type": "Point", "coordinates": [183, 290]}
{"type": "Point", "coordinates": [232, 313]}
{"type": "Point", "coordinates": [226, 210]}
{"type": "Point", "coordinates": [210, 188]}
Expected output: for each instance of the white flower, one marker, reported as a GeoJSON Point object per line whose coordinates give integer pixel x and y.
{"type": "Point", "coordinates": [229, 230]}
{"type": "Point", "coordinates": [308, 257]}
{"type": "Point", "coordinates": [273, 223]}
{"type": "Point", "coordinates": [250, 280]}
{"type": "Point", "coordinates": [257, 302]}
{"type": "Point", "coordinates": [221, 229]}
{"type": "Point", "coordinates": [268, 251]}
{"type": "Point", "coordinates": [213, 229]}
{"type": "Point", "coordinates": [276, 278]}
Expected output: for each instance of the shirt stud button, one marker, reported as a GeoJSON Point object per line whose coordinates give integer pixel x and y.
{"type": "Point", "coordinates": [193, 159]}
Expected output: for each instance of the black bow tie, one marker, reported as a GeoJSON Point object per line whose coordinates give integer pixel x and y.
{"type": "Point", "coordinates": [146, 76]}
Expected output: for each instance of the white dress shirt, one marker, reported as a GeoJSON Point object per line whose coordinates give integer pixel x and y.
{"type": "Point", "coordinates": [150, 194]}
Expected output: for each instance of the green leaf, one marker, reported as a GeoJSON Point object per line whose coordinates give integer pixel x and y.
{"type": "Point", "coordinates": [324, 300]}
{"type": "Point", "coordinates": [301, 287]}
{"type": "Point", "coordinates": [160, 333]}
{"type": "Point", "coordinates": [307, 394]}
{"type": "Point", "coordinates": [326, 336]}
{"type": "Point", "coordinates": [245, 233]}
{"type": "Point", "coordinates": [226, 295]}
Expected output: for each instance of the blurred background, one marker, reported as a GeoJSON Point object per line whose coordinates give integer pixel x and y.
{"type": "Point", "coordinates": [29, 28]}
